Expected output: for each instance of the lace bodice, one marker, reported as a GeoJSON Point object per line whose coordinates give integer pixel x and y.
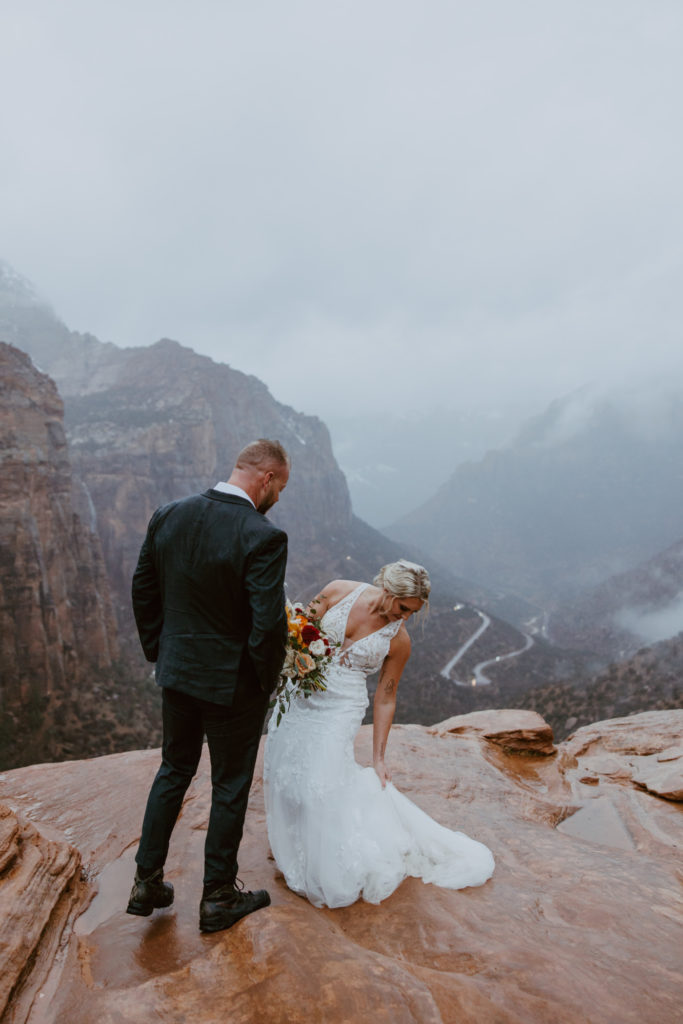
{"type": "Point", "coordinates": [367, 654]}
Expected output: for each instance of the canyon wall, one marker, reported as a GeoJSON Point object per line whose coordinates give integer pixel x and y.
{"type": "Point", "coordinates": [169, 423]}
{"type": "Point", "coordinates": [57, 624]}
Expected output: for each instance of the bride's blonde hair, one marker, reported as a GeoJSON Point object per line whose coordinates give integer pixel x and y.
{"type": "Point", "coordinates": [404, 579]}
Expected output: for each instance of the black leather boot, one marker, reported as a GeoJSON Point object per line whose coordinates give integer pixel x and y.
{"type": "Point", "coordinates": [224, 907]}
{"type": "Point", "coordinates": [149, 894]}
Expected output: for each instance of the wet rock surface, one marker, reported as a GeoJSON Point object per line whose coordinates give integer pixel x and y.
{"type": "Point", "coordinates": [580, 922]}
{"type": "Point", "coordinates": [40, 891]}
{"type": "Point", "coordinates": [645, 750]}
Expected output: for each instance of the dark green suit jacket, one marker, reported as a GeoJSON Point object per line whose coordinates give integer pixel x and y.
{"type": "Point", "coordinates": [208, 596]}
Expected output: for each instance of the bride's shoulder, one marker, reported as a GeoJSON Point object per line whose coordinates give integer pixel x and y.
{"type": "Point", "coordinates": [331, 594]}
{"type": "Point", "coordinates": [400, 646]}
{"type": "Point", "coordinates": [338, 589]}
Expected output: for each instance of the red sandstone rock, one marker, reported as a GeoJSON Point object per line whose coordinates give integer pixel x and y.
{"type": "Point", "coordinates": [514, 730]}
{"type": "Point", "coordinates": [56, 620]}
{"type": "Point", "coordinates": [581, 921]}
{"type": "Point", "coordinates": [644, 750]}
{"type": "Point", "coordinates": [39, 889]}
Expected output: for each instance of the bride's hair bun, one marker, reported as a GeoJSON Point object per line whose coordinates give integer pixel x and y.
{"type": "Point", "coordinates": [404, 579]}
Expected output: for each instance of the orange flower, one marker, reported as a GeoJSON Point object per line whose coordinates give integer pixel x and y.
{"type": "Point", "coordinates": [295, 623]}
{"type": "Point", "coordinates": [303, 663]}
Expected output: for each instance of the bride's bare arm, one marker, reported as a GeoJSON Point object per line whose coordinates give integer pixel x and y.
{"type": "Point", "coordinates": [385, 700]}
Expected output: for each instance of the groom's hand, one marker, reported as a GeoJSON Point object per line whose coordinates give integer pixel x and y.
{"type": "Point", "coordinates": [383, 772]}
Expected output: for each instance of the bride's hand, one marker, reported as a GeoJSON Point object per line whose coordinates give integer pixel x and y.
{"type": "Point", "coordinates": [383, 772]}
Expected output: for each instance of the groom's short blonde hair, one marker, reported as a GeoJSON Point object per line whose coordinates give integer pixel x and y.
{"type": "Point", "coordinates": [257, 453]}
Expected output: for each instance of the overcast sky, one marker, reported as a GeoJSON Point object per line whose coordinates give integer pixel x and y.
{"type": "Point", "coordinates": [369, 204]}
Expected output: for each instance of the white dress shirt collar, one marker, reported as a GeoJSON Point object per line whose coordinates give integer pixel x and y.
{"type": "Point", "coordinates": [226, 488]}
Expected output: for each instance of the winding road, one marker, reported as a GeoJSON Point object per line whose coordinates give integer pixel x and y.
{"type": "Point", "coordinates": [479, 677]}
{"type": "Point", "coordinates": [446, 670]}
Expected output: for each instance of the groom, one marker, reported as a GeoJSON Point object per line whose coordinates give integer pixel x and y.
{"type": "Point", "coordinates": [209, 605]}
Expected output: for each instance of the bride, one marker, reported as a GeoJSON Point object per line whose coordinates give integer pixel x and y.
{"type": "Point", "coordinates": [339, 831]}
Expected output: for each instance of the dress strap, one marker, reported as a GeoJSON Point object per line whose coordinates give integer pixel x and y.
{"type": "Point", "coordinates": [355, 594]}
{"type": "Point", "coordinates": [349, 601]}
{"type": "Point", "coordinates": [392, 628]}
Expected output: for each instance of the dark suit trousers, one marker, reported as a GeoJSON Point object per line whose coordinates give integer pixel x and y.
{"type": "Point", "coordinates": [233, 735]}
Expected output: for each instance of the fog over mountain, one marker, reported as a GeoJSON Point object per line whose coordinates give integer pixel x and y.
{"type": "Point", "coordinates": [393, 461]}
{"type": "Point", "coordinates": [146, 424]}
{"type": "Point", "coordinates": [588, 489]}
{"type": "Point", "coordinates": [141, 426]}
{"type": "Point", "coordinates": [450, 210]}
{"type": "Point", "coordinates": [641, 606]}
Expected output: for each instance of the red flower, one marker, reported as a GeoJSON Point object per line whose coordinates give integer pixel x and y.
{"type": "Point", "coordinates": [309, 633]}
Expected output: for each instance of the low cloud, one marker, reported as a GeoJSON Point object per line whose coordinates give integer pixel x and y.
{"type": "Point", "coordinates": [652, 626]}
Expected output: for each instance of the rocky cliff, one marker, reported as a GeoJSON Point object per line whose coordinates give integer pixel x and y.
{"type": "Point", "coordinates": [580, 922]}
{"type": "Point", "coordinates": [147, 425]}
{"type": "Point", "coordinates": [57, 625]}
{"type": "Point", "coordinates": [171, 424]}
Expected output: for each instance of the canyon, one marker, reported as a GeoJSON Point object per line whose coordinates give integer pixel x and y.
{"type": "Point", "coordinates": [91, 450]}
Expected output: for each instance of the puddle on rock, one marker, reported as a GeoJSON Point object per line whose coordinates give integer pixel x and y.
{"type": "Point", "coordinates": [599, 822]}
{"type": "Point", "coordinates": [120, 950]}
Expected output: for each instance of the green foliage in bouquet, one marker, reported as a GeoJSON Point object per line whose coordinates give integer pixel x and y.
{"type": "Point", "coordinates": [309, 652]}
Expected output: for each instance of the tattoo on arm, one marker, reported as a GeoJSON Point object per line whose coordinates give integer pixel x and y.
{"type": "Point", "coordinates": [389, 686]}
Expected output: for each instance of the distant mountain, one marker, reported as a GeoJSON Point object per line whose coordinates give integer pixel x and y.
{"type": "Point", "coordinates": [626, 612]}
{"type": "Point", "coordinates": [393, 460]}
{"type": "Point", "coordinates": [650, 680]}
{"type": "Point", "coordinates": [589, 489]}
{"type": "Point", "coordinates": [147, 425]}
{"type": "Point", "coordinates": [143, 426]}
{"type": "Point", "coordinates": [29, 322]}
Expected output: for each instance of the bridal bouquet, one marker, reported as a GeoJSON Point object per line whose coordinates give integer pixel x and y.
{"type": "Point", "coordinates": [309, 652]}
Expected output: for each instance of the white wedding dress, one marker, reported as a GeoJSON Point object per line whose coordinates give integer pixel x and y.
{"type": "Point", "coordinates": [335, 833]}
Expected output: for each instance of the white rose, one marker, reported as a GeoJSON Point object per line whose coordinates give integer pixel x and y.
{"type": "Point", "coordinates": [317, 647]}
{"type": "Point", "coordinates": [288, 666]}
